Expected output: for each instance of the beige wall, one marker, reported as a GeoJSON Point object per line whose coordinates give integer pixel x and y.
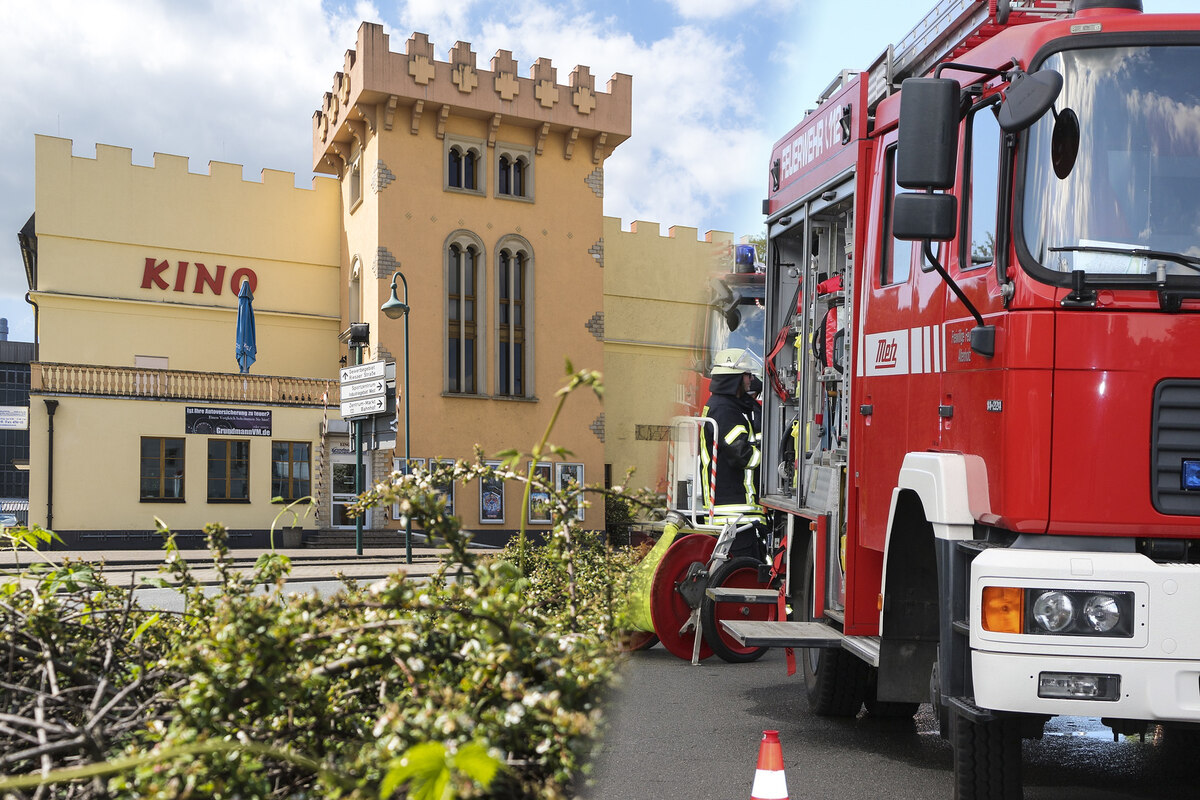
{"type": "Point", "coordinates": [96, 463]}
{"type": "Point", "coordinates": [98, 220]}
{"type": "Point", "coordinates": [407, 217]}
{"type": "Point", "coordinates": [655, 290]}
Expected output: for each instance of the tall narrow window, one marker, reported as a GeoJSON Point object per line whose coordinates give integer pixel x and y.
{"type": "Point", "coordinates": [512, 288]}
{"type": "Point", "coordinates": [161, 470]}
{"type": "Point", "coordinates": [290, 478]}
{"type": "Point", "coordinates": [470, 170]}
{"type": "Point", "coordinates": [504, 176]}
{"type": "Point", "coordinates": [454, 168]}
{"type": "Point", "coordinates": [461, 311]}
{"type": "Point", "coordinates": [985, 188]}
{"type": "Point", "coordinates": [518, 177]}
{"type": "Point", "coordinates": [356, 182]}
{"type": "Point", "coordinates": [896, 258]}
{"type": "Point", "coordinates": [228, 471]}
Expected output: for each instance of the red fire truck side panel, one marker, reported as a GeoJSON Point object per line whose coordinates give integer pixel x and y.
{"type": "Point", "coordinates": [1109, 365]}
{"type": "Point", "coordinates": [814, 153]}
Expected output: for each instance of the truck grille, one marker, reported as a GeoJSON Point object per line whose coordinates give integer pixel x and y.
{"type": "Point", "coordinates": [1176, 438]}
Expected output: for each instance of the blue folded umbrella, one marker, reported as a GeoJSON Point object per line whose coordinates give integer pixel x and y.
{"type": "Point", "coordinates": [245, 348]}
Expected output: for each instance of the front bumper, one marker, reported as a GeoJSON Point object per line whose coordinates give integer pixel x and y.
{"type": "Point", "coordinates": [1158, 665]}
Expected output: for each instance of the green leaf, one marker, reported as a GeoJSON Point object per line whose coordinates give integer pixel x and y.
{"type": "Point", "coordinates": [423, 766]}
{"type": "Point", "coordinates": [570, 366]}
{"type": "Point", "coordinates": [474, 761]}
{"type": "Point", "coordinates": [156, 581]}
{"type": "Point", "coordinates": [144, 626]}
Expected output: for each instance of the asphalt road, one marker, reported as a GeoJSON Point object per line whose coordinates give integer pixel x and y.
{"type": "Point", "coordinates": [692, 733]}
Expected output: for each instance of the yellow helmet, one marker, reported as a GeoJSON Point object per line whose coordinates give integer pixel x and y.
{"type": "Point", "coordinates": [736, 361]}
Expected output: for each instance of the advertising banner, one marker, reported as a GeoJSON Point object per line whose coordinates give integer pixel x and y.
{"type": "Point", "coordinates": [227, 421]}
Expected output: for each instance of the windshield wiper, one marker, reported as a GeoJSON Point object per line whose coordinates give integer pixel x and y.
{"type": "Point", "coordinates": [1190, 262]}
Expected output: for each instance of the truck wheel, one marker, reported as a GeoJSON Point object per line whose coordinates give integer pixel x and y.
{"type": "Point", "coordinates": [736, 573]}
{"type": "Point", "coordinates": [834, 680]}
{"type": "Point", "coordinates": [987, 758]}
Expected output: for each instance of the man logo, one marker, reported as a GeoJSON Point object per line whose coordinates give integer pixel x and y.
{"type": "Point", "coordinates": [885, 354]}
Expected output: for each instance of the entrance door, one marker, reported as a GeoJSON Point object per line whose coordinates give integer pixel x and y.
{"type": "Point", "coordinates": [342, 493]}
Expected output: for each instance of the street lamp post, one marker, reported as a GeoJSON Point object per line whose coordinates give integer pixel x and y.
{"type": "Point", "coordinates": [393, 308]}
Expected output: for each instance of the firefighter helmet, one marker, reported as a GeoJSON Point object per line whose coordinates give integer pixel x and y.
{"type": "Point", "coordinates": [736, 361]}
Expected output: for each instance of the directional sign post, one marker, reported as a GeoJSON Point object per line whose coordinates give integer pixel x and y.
{"type": "Point", "coordinates": [365, 388]}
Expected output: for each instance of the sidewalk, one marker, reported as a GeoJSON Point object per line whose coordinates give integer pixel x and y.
{"type": "Point", "coordinates": [128, 567]}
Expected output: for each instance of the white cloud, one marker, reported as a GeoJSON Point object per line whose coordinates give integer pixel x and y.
{"type": "Point", "coordinates": [710, 9]}
{"type": "Point", "coordinates": [695, 114]}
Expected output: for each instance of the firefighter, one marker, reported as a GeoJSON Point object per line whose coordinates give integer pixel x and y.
{"type": "Point", "coordinates": [735, 409]}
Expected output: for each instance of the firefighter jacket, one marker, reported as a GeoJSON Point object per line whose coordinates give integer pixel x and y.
{"type": "Point", "coordinates": [738, 453]}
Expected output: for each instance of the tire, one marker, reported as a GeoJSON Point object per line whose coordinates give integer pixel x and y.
{"type": "Point", "coordinates": [738, 573]}
{"type": "Point", "coordinates": [987, 758]}
{"type": "Point", "coordinates": [834, 680]}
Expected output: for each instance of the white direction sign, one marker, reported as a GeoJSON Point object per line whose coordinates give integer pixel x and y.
{"type": "Point", "coordinates": [364, 407]}
{"type": "Point", "coordinates": [364, 372]}
{"type": "Point", "coordinates": [357, 391]}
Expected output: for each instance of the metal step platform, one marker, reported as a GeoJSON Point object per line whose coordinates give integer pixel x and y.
{"type": "Point", "coordinates": [725, 594]}
{"type": "Point", "coordinates": [783, 634]}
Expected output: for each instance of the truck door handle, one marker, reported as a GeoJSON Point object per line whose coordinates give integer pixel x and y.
{"type": "Point", "coordinates": [866, 409]}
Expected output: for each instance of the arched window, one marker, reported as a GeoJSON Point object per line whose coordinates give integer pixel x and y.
{"type": "Point", "coordinates": [462, 317]}
{"type": "Point", "coordinates": [465, 168]}
{"type": "Point", "coordinates": [514, 171]}
{"type": "Point", "coordinates": [518, 177]}
{"type": "Point", "coordinates": [503, 182]}
{"type": "Point", "coordinates": [513, 299]}
{"type": "Point", "coordinates": [455, 168]}
{"type": "Point", "coordinates": [471, 170]}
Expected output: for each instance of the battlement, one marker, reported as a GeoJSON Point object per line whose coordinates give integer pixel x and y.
{"type": "Point", "coordinates": [378, 89]}
{"type": "Point", "coordinates": [171, 167]}
{"type": "Point", "coordinates": [681, 232]}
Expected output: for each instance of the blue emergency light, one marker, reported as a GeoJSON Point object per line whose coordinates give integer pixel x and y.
{"type": "Point", "coordinates": [1190, 474]}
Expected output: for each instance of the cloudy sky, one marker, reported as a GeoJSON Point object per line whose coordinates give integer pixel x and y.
{"type": "Point", "coordinates": [715, 83]}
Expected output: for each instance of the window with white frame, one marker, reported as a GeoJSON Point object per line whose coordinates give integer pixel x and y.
{"type": "Point", "coordinates": [514, 171]}
{"type": "Point", "coordinates": [463, 290]}
{"type": "Point", "coordinates": [513, 295]}
{"type": "Point", "coordinates": [464, 164]}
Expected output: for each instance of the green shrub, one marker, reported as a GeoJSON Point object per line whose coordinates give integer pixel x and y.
{"type": "Point", "coordinates": [485, 681]}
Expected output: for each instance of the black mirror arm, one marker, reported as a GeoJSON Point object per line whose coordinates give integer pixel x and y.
{"type": "Point", "coordinates": [984, 334]}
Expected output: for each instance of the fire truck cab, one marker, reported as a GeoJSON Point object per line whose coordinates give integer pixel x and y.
{"type": "Point", "coordinates": [982, 425]}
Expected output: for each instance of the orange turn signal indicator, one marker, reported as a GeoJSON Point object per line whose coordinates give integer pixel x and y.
{"type": "Point", "coordinates": [1003, 609]}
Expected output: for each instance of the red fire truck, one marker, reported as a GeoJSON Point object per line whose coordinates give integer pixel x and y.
{"type": "Point", "coordinates": [982, 429]}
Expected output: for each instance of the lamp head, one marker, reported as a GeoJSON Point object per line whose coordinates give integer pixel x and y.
{"type": "Point", "coordinates": [393, 308]}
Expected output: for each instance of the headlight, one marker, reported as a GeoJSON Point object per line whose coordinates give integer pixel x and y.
{"type": "Point", "coordinates": [1102, 613]}
{"type": "Point", "coordinates": [1054, 611]}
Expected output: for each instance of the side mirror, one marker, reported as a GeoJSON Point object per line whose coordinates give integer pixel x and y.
{"type": "Point", "coordinates": [918, 217]}
{"type": "Point", "coordinates": [928, 141]}
{"type": "Point", "coordinates": [1028, 98]}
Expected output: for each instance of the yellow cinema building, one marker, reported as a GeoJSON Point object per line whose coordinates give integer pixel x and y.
{"type": "Point", "coordinates": [478, 192]}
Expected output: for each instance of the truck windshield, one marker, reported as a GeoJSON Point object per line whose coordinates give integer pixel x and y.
{"type": "Point", "coordinates": [750, 331]}
{"type": "Point", "coordinates": [1129, 203]}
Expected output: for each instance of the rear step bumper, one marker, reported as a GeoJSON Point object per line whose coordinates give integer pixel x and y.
{"type": "Point", "coordinates": [783, 634]}
{"type": "Point", "coordinates": [749, 633]}
{"type": "Point", "coordinates": [724, 594]}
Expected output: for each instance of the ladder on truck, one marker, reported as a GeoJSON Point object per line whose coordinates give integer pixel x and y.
{"type": "Point", "coordinates": [950, 28]}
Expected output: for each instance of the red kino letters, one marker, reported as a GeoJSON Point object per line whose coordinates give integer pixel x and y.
{"type": "Point", "coordinates": [156, 274]}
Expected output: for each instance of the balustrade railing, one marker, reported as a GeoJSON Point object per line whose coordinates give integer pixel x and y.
{"type": "Point", "coordinates": [164, 384]}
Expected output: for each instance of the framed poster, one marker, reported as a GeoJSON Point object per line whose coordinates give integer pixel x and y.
{"type": "Point", "coordinates": [539, 497]}
{"type": "Point", "coordinates": [398, 465]}
{"type": "Point", "coordinates": [568, 474]}
{"type": "Point", "coordinates": [445, 488]}
{"type": "Point", "coordinates": [491, 498]}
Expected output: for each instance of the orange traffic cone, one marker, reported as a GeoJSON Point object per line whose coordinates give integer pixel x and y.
{"type": "Point", "coordinates": [769, 780]}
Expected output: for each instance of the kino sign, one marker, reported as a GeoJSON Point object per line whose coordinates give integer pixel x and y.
{"type": "Point", "coordinates": [365, 388]}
